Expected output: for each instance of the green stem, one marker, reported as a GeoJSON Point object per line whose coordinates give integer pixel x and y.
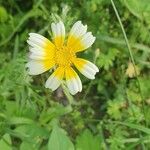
{"type": "Point", "coordinates": [131, 56]}
{"type": "Point", "coordinates": [133, 62]}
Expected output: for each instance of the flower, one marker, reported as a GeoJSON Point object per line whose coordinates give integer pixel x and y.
{"type": "Point", "coordinates": [130, 72]}
{"type": "Point", "coordinates": [61, 55]}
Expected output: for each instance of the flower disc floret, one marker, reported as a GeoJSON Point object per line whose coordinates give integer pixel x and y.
{"type": "Point", "coordinates": [64, 56]}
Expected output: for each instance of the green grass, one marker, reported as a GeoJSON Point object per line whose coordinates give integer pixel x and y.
{"type": "Point", "coordinates": [111, 112]}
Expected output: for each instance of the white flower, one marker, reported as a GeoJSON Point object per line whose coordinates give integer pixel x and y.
{"type": "Point", "coordinates": [44, 55]}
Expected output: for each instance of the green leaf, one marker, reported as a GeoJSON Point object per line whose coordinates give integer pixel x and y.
{"type": "Point", "coordinates": [5, 142]}
{"type": "Point", "coordinates": [86, 141]}
{"type": "Point", "coordinates": [59, 140]}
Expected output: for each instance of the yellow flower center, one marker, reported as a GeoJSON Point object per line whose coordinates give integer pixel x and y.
{"type": "Point", "coordinates": [64, 56]}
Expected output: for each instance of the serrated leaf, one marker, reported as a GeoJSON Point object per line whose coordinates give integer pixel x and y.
{"type": "Point", "coordinates": [86, 141]}
{"type": "Point", "coordinates": [114, 109]}
{"type": "Point", "coordinates": [106, 60]}
{"type": "Point", "coordinates": [59, 140]}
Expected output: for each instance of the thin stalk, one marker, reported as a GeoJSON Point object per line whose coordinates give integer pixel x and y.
{"type": "Point", "coordinates": [131, 56]}
{"type": "Point", "coordinates": [133, 62]}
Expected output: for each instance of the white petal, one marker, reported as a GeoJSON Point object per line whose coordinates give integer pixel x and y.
{"type": "Point", "coordinates": [79, 39]}
{"type": "Point", "coordinates": [40, 47]}
{"type": "Point", "coordinates": [87, 40]}
{"type": "Point", "coordinates": [35, 67]}
{"type": "Point", "coordinates": [62, 28]}
{"type": "Point", "coordinates": [58, 29]}
{"type": "Point", "coordinates": [39, 54]}
{"type": "Point", "coordinates": [36, 35]}
{"type": "Point", "coordinates": [87, 68]}
{"type": "Point", "coordinates": [37, 40]}
{"type": "Point", "coordinates": [73, 81]}
{"type": "Point", "coordinates": [33, 44]}
{"type": "Point", "coordinates": [36, 51]}
{"type": "Point", "coordinates": [55, 79]}
{"type": "Point", "coordinates": [79, 83]}
{"type": "Point", "coordinates": [74, 85]}
{"type": "Point", "coordinates": [36, 56]}
{"type": "Point", "coordinates": [78, 29]}
{"type": "Point", "coordinates": [52, 83]}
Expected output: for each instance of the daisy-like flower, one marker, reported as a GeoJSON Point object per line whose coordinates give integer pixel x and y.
{"type": "Point", "coordinates": [61, 55]}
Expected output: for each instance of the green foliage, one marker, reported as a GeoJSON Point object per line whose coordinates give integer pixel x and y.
{"type": "Point", "coordinates": [111, 112]}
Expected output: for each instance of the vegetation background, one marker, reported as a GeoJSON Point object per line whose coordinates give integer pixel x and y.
{"type": "Point", "coordinates": [111, 113]}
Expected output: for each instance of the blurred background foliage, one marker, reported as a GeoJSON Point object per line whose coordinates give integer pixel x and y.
{"type": "Point", "coordinates": [112, 111]}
